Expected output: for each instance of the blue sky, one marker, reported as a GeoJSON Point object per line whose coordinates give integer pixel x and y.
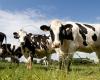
{"type": "Point", "coordinates": [79, 10]}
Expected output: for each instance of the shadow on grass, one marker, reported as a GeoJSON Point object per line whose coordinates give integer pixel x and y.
{"type": "Point", "coordinates": [42, 68]}
{"type": "Point", "coordinates": [8, 66]}
{"type": "Point", "coordinates": [78, 69]}
{"type": "Point", "coordinates": [1, 67]}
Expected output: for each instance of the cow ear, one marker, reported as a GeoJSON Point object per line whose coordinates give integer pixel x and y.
{"type": "Point", "coordinates": [67, 26]}
{"type": "Point", "coordinates": [45, 28]}
{"type": "Point", "coordinates": [15, 33]}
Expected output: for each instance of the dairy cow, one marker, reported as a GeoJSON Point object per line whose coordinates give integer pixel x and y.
{"type": "Point", "coordinates": [2, 37]}
{"type": "Point", "coordinates": [32, 45]}
{"type": "Point", "coordinates": [12, 51]}
{"type": "Point", "coordinates": [27, 48]}
{"type": "Point", "coordinates": [5, 48]}
{"type": "Point", "coordinates": [68, 37]}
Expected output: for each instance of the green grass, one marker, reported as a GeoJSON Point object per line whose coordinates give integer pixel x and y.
{"type": "Point", "coordinates": [10, 71]}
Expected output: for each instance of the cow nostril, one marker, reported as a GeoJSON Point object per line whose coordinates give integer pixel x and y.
{"type": "Point", "coordinates": [56, 45]}
{"type": "Point", "coordinates": [22, 43]}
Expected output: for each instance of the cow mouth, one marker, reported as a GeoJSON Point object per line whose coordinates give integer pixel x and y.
{"type": "Point", "coordinates": [22, 43]}
{"type": "Point", "coordinates": [56, 46]}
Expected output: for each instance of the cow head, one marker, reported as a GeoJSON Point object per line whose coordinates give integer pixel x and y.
{"type": "Point", "coordinates": [58, 32]}
{"type": "Point", "coordinates": [20, 35]}
{"type": "Point", "coordinates": [16, 36]}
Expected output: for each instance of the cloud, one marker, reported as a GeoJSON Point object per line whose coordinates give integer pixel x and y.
{"type": "Point", "coordinates": [29, 20]}
{"type": "Point", "coordinates": [98, 18]}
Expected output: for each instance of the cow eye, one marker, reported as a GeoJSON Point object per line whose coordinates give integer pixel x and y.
{"type": "Point", "coordinates": [16, 37]}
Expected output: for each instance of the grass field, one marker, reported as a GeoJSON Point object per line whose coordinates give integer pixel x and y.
{"type": "Point", "coordinates": [10, 71]}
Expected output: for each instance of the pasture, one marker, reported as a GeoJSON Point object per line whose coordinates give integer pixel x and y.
{"type": "Point", "coordinates": [12, 71]}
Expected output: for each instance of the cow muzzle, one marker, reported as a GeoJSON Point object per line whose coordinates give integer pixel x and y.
{"type": "Point", "coordinates": [56, 45]}
{"type": "Point", "coordinates": [22, 43]}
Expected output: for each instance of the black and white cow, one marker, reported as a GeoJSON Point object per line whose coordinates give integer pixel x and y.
{"type": "Point", "coordinates": [5, 49]}
{"type": "Point", "coordinates": [35, 44]}
{"type": "Point", "coordinates": [2, 37]}
{"type": "Point", "coordinates": [68, 37]}
{"type": "Point", "coordinates": [26, 44]}
{"type": "Point", "coordinates": [12, 51]}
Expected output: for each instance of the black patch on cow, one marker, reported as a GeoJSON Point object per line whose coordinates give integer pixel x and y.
{"type": "Point", "coordinates": [2, 37]}
{"type": "Point", "coordinates": [18, 53]}
{"type": "Point", "coordinates": [89, 26]}
{"type": "Point", "coordinates": [52, 35]}
{"type": "Point", "coordinates": [10, 52]}
{"type": "Point", "coordinates": [83, 32]}
{"type": "Point", "coordinates": [66, 32]}
{"type": "Point", "coordinates": [94, 37]}
{"type": "Point", "coordinates": [44, 27]}
{"type": "Point", "coordinates": [84, 43]}
{"type": "Point", "coordinates": [82, 28]}
{"type": "Point", "coordinates": [16, 35]}
{"type": "Point", "coordinates": [28, 44]}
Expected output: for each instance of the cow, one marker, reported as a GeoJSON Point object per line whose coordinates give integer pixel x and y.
{"type": "Point", "coordinates": [12, 51]}
{"type": "Point", "coordinates": [69, 37]}
{"type": "Point", "coordinates": [2, 37]}
{"type": "Point", "coordinates": [6, 50]}
{"type": "Point", "coordinates": [26, 44]}
{"type": "Point", "coordinates": [35, 44]}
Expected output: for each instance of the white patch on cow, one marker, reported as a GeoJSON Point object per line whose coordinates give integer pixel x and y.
{"type": "Point", "coordinates": [32, 38]}
{"type": "Point", "coordinates": [37, 43]}
{"type": "Point", "coordinates": [22, 34]}
{"type": "Point", "coordinates": [97, 31]}
{"type": "Point", "coordinates": [45, 62]}
{"type": "Point", "coordinates": [42, 43]}
{"type": "Point", "coordinates": [26, 60]}
{"type": "Point", "coordinates": [41, 47]}
{"type": "Point", "coordinates": [55, 26]}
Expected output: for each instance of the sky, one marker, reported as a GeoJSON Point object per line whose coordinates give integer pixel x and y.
{"type": "Point", "coordinates": [80, 10]}
{"type": "Point", "coordinates": [31, 14]}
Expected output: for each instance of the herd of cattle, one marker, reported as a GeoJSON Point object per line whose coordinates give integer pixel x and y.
{"type": "Point", "coordinates": [31, 45]}
{"type": "Point", "coordinates": [65, 38]}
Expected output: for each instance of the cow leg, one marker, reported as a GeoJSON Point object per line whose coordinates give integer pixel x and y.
{"type": "Point", "coordinates": [29, 63]}
{"type": "Point", "coordinates": [14, 59]}
{"type": "Point", "coordinates": [69, 60]}
{"type": "Point", "coordinates": [45, 64]}
{"type": "Point", "coordinates": [61, 62]}
{"type": "Point", "coordinates": [98, 56]}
